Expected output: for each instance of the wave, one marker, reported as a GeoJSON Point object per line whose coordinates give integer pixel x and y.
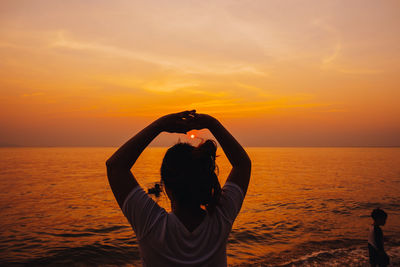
{"type": "Point", "coordinates": [340, 252]}
{"type": "Point", "coordinates": [341, 257]}
{"type": "Point", "coordinates": [88, 231]}
{"type": "Point", "coordinates": [88, 255]}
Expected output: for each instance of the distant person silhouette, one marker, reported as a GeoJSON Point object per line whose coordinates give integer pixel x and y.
{"type": "Point", "coordinates": [377, 254]}
{"type": "Point", "coordinates": [190, 235]}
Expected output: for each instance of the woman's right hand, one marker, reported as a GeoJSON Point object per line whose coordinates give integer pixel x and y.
{"type": "Point", "coordinates": [180, 122]}
{"type": "Point", "coordinates": [202, 121]}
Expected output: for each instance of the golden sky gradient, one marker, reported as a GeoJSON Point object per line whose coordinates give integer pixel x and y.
{"type": "Point", "coordinates": [276, 73]}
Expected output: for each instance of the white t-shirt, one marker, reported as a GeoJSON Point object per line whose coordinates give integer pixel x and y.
{"type": "Point", "coordinates": [165, 241]}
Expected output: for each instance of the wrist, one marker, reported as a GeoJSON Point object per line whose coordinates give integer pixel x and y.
{"type": "Point", "coordinates": [212, 123]}
{"type": "Point", "coordinates": [157, 126]}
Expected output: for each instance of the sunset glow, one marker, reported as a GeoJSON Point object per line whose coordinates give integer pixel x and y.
{"type": "Point", "coordinates": [276, 73]}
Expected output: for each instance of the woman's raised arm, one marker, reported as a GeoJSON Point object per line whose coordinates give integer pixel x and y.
{"type": "Point", "coordinates": [237, 156]}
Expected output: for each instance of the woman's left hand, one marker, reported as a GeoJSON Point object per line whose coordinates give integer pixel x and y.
{"type": "Point", "coordinates": [180, 122]}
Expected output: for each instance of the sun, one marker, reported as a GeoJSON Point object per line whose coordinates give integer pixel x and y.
{"type": "Point", "coordinates": [192, 136]}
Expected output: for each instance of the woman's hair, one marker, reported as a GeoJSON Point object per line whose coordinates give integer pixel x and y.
{"type": "Point", "coordinates": [189, 172]}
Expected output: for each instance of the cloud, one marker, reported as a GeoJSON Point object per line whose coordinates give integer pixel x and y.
{"type": "Point", "coordinates": [336, 52]}
{"type": "Point", "coordinates": [359, 71]}
{"type": "Point", "coordinates": [331, 61]}
{"type": "Point", "coordinates": [334, 35]}
{"type": "Point", "coordinates": [32, 94]}
{"type": "Point", "coordinates": [169, 85]}
{"type": "Point", "coordinates": [224, 105]}
{"type": "Point", "coordinates": [185, 66]}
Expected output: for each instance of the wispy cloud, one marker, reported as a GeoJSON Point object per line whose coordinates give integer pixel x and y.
{"type": "Point", "coordinates": [62, 40]}
{"type": "Point", "coordinates": [333, 61]}
{"type": "Point", "coordinates": [336, 52]}
{"type": "Point", "coordinates": [32, 94]}
{"type": "Point", "coordinates": [359, 71]}
{"type": "Point", "coordinates": [332, 34]}
{"type": "Point", "coordinates": [226, 105]}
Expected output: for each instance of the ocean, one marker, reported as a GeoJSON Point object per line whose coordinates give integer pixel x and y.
{"type": "Point", "coordinates": [304, 206]}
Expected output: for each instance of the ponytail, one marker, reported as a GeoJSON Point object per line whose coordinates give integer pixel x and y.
{"type": "Point", "coordinates": [206, 154]}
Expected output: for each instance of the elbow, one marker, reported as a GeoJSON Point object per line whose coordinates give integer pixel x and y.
{"type": "Point", "coordinates": [246, 159]}
{"type": "Point", "coordinates": [247, 162]}
{"type": "Point", "coordinates": [112, 168]}
{"type": "Point", "coordinates": [111, 164]}
{"type": "Point", "coordinates": [244, 163]}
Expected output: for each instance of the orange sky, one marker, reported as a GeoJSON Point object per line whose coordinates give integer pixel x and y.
{"type": "Point", "coordinates": [276, 73]}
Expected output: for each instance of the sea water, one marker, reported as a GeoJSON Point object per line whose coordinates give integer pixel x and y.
{"type": "Point", "coordinates": [304, 206]}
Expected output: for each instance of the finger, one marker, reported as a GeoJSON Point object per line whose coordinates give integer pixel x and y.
{"type": "Point", "coordinates": [192, 126]}
{"type": "Point", "coordinates": [187, 125]}
{"type": "Point", "coordinates": [184, 125]}
{"type": "Point", "coordinates": [188, 112]}
{"type": "Point", "coordinates": [187, 115]}
{"type": "Point", "coordinates": [184, 114]}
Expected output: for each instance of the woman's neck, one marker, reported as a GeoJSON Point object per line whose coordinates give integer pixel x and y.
{"type": "Point", "coordinates": [191, 217]}
{"type": "Point", "coordinates": [186, 209]}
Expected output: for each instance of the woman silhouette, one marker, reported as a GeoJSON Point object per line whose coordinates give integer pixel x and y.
{"type": "Point", "coordinates": [195, 233]}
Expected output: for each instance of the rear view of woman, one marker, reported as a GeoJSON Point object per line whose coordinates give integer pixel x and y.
{"type": "Point", "coordinates": [195, 233]}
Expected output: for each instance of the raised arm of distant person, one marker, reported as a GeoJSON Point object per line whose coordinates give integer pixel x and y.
{"type": "Point", "coordinates": [120, 177]}
{"type": "Point", "coordinates": [237, 156]}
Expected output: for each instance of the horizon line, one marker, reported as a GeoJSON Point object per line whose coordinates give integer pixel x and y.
{"type": "Point", "coordinates": [251, 146]}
